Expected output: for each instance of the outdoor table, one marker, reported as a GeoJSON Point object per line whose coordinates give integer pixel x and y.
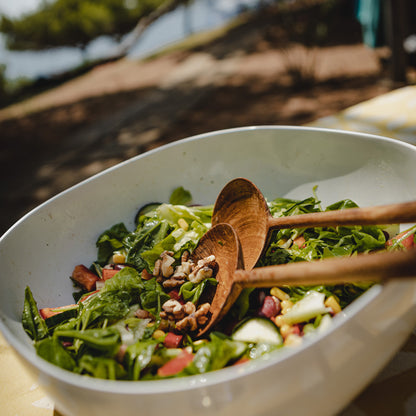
{"type": "Point", "coordinates": [393, 392]}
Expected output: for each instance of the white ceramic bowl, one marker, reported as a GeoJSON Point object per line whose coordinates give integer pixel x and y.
{"type": "Point", "coordinates": [318, 378]}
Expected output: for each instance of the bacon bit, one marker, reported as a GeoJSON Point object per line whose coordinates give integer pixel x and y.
{"type": "Point", "coordinates": [172, 340]}
{"type": "Point", "coordinates": [176, 365]}
{"type": "Point", "coordinates": [174, 294]}
{"type": "Point", "coordinates": [84, 277]}
{"type": "Point", "coordinates": [270, 307]}
{"type": "Point", "coordinates": [109, 273]}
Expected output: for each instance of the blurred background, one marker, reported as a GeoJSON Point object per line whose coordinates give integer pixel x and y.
{"type": "Point", "coordinates": [86, 84]}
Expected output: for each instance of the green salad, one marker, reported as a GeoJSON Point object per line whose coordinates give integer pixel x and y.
{"type": "Point", "coordinates": [138, 307]}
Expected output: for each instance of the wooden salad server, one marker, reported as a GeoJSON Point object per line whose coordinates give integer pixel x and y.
{"type": "Point", "coordinates": [222, 241]}
{"type": "Point", "coordinates": [243, 206]}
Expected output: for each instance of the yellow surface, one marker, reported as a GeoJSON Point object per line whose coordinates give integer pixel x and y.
{"type": "Point", "coordinates": [391, 115]}
{"type": "Point", "coordinates": [20, 395]}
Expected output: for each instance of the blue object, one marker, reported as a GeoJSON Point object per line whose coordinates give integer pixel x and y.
{"type": "Point", "coordinates": [368, 13]}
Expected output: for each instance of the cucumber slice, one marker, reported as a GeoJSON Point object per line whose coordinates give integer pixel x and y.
{"type": "Point", "coordinates": [307, 308]}
{"type": "Point", "coordinates": [145, 209]}
{"type": "Point", "coordinates": [61, 317]}
{"type": "Point", "coordinates": [258, 330]}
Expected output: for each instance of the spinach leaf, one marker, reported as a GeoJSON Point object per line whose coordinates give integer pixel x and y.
{"type": "Point", "coordinates": [153, 297]}
{"type": "Point", "coordinates": [216, 354]}
{"type": "Point", "coordinates": [138, 356]}
{"type": "Point", "coordinates": [106, 305]}
{"type": "Point", "coordinates": [106, 340]}
{"type": "Point", "coordinates": [101, 367]}
{"type": "Point", "coordinates": [148, 234]}
{"type": "Point", "coordinates": [192, 292]}
{"type": "Point", "coordinates": [52, 350]}
{"type": "Point", "coordinates": [180, 196]}
{"type": "Point", "coordinates": [33, 324]}
{"type": "Point", "coordinates": [110, 241]}
{"type": "Point", "coordinates": [127, 279]}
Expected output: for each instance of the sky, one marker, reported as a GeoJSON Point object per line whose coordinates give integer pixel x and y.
{"type": "Point", "coordinates": [13, 8]}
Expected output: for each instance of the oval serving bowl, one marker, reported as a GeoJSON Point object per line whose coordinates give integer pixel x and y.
{"type": "Point", "coordinates": [322, 375]}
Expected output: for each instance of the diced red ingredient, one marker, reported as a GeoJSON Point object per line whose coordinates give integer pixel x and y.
{"type": "Point", "coordinates": [121, 353]}
{"type": "Point", "coordinates": [299, 241]}
{"type": "Point", "coordinates": [174, 294]}
{"type": "Point", "coordinates": [176, 365]}
{"type": "Point", "coordinates": [84, 277]}
{"type": "Point", "coordinates": [48, 312]}
{"type": "Point", "coordinates": [270, 307]}
{"type": "Point", "coordinates": [146, 275]}
{"type": "Point", "coordinates": [242, 360]}
{"type": "Point", "coordinates": [87, 295]}
{"type": "Point", "coordinates": [296, 329]}
{"type": "Point", "coordinates": [408, 242]}
{"type": "Point", "coordinates": [172, 340]}
{"type": "Point", "coordinates": [109, 273]}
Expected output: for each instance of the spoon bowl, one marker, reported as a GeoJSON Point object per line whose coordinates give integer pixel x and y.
{"type": "Point", "coordinates": [242, 205]}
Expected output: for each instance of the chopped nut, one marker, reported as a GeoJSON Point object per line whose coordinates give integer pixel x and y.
{"type": "Point", "coordinates": [157, 268]}
{"type": "Point", "coordinates": [187, 324]}
{"type": "Point", "coordinates": [189, 308]}
{"type": "Point", "coordinates": [204, 269]}
{"type": "Point", "coordinates": [185, 256]}
{"type": "Point", "coordinates": [173, 307]}
{"type": "Point", "coordinates": [167, 263]}
{"type": "Point", "coordinates": [142, 314]}
{"type": "Point", "coordinates": [172, 283]}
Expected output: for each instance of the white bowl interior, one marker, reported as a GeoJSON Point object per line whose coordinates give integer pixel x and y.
{"type": "Point", "coordinates": [42, 248]}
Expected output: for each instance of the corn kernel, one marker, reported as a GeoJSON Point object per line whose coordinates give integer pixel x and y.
{"type": "Point", "coordinates": [183, 224]}
{"type": "Point", "coordinates": [279, 320]}
{"type": "Point", "coordinates": [332, 303]}
{"type": "Point", "coordinates": [119, 258]}
{"type": "Point", "coordinates": [158, 334]}
{"type": "Point", "coordinates": [293, 340]}
{"type": "Point", "coordinates": [286, 306]}
{"type": "Point", "coordinates": [279, 294]}
{"type": "Point", "coordinates": [285, 330]}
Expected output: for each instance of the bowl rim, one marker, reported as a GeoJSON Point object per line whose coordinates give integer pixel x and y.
{"type": "Point", "coordinates": [128, 387]}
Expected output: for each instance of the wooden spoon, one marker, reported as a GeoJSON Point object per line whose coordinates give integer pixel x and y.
{"type": "Point", "coordinates": [242, 205]}
{"type": "Point", "coordinates": [222, 241]}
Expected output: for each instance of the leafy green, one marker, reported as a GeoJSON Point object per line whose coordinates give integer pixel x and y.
{"type": "Point", "coordinates": [52, 350]}
{"type": "Point", "coordinates": [101, 367]}
{"type": "Point", "coordinates": [138, 356]}
{"type": "Point", "coordinates": [216, 354]}
{"type": "Point", "coordinates": [110, 241]}
{"type": "Point", "coordinates": [180, 196]}
{"type": "Point", "coordinates": [153, 296]}
{"type": "Point", "coordinates": [192, 292]}
{"type": "Point", "coordinates": [33, 324]}
{"type": "Point", "coordinates": [106, 340]}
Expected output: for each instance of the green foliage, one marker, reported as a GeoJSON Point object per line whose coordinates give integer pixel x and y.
{"type": "Point", "coordinates": [74, 22]}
